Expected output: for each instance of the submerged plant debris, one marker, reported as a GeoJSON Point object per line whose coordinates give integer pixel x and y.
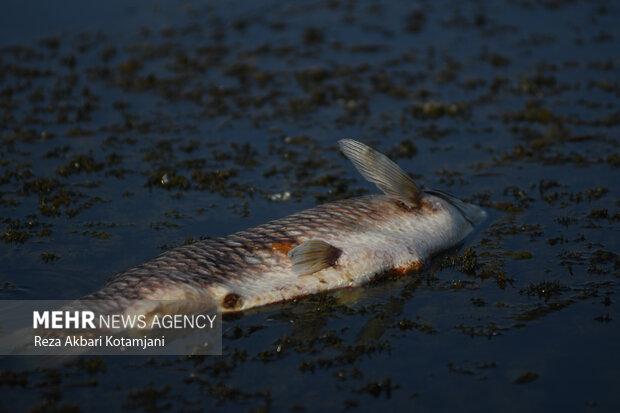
{"type": "Point", "coordinates": [161, 125]}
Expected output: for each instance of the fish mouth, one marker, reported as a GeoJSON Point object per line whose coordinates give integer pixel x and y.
{"type": "Point", "coordinates": [477, 214]}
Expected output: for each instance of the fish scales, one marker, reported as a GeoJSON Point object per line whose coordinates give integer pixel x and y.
{"type": "Point", "coordinates": [335, 245]}
{"type": "Point", "coordinates": [375, 233]}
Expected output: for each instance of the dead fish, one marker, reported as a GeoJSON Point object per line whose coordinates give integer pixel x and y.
{"type": "Point", "coordinates": [335, 245]}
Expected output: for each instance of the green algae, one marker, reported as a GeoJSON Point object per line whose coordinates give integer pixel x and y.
{"type": "Point", "coordinates": [149, 398]}
{"type": "Point", "coordinates": [49, 257]}
{"type": "Point", "coordinates": [466, 262]}
{"type": "Point", "coordinates": [537, 128]}
{"type": "Point", "coordinates": [527, 377]}
{"type": "Point", "coordinates": [79, 163]}
{"type": "Point", "coordinates": [545, 289]}
{"type": "Point", "coordinates": [519, 255]}
{"type": "Point", "coordinates": [435, 110]}
{"type": "Point", "coordinates": [11, 378]}
{"type": "Point", "coordinates": [423, 327]}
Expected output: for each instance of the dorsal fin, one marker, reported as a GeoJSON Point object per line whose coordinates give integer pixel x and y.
{"type": "Point", "coordinates": [382, 171]}
{"type": "Point", "coordinates": [312, 256]}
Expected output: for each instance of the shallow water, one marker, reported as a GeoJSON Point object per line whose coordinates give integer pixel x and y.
{"type": "Point", "coordinates": [128, 130]}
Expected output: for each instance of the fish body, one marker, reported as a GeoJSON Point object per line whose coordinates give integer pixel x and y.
{"type": "Point", "coordinates": [331, 246]}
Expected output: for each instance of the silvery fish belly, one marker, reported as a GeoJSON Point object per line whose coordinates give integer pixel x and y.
{"type": "Point", "coordinates": [336, 245]}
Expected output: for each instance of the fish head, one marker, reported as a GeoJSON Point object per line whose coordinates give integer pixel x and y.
{"type": "Point", "coordinates": [472, 213]}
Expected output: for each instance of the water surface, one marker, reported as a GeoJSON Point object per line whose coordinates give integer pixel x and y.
{"type": "Point", "coordinates": [131, 128]}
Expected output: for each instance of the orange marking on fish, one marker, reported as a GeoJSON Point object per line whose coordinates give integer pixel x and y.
{"type": "Point", "coordinates": [283, 248]}
{"type": "Point", "coordinates": [406, 269]}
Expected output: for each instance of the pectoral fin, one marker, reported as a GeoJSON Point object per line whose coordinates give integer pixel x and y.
{"type": "Point", "coordinates": [312, 256]}
{"type": "Point", "coordinates": [382, 171]}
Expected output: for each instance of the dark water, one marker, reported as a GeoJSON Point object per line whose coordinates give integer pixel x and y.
{"type": "Point", "coordinates": [131, 127]}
